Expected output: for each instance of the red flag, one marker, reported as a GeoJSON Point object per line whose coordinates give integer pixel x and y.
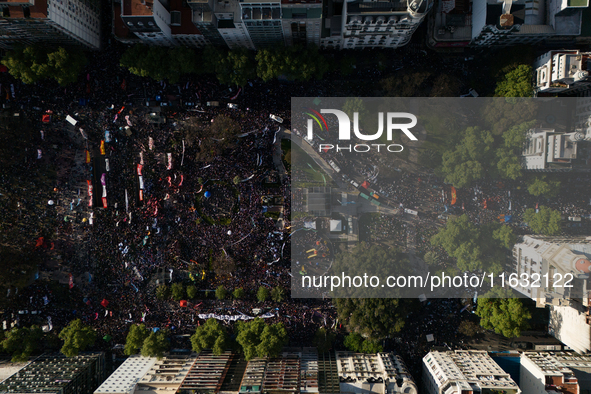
{"type": "Point", "coordinates": [121, 110]}
{"type": "Point", "coordinates": [105, 202]}
{"type": "Point", "coordinates": [139, 169]}
{"type": "Point", "coordinates": [71, 282]}
{"type": "Point", "coordinates": [453, 195]}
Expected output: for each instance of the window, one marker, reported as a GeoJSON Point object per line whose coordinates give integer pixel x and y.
{"type": "Point", "coordinates": [175, 18]}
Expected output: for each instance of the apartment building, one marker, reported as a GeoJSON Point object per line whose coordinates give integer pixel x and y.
{"type": "Point", "coordinates": [54, 22]}
{"type": "Point", "coordinates": [511, 22]}
{"type": "Point", "coordinates": [551, 150]}
{"type": "Point", "coordinates": [58, 374]}
{"type": "Point", "coordinates": [368, 24]}
{"type": "Point", "coordinates": [550, 372]}
{"type": "Point", "coordinates": [465, 372]}
{"type": "Point", "coordinates": [562, 71]}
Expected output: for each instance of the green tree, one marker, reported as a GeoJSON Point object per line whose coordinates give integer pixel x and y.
{"type": "Point", "coordinates": [159, 63]}
{"type": "Point", "coordinates": [323, 340]}
{"type": "Point", "coordinates": [516, 83]}
{"type": "Point", "coordinates": [546, 221]}
{"type": "Point", "coordinates": [236, 67]}
{"type": "Point", "coordinates": [162, 292]}
{"type": "Point", "coordinates": [374, 318]}
{"type": "Point", "coordinates": [468, 161]}
{"type": "Point", "coordinates": [541, 186]}
{"type": "Point", "coordinates": [77, 337]}
{"type": "Point", "coordinates": [355, 104]}
{"type": "Point", "coordinates": [178, 291]}
{"type": "Point", "coordinates": [239, 293]}
{"type": "Point", "coordinates": [262, 294]}
{"type": "Point", "coordinates": [221, 293]}
{"type": "Point", "coordinates": [22, 342]}
{"type": "Point", "coordinates": [224, 129]}
{"type": "Point", "coordinates": [65, 66]}
{"type": "Point", "coordinates": [191, 292]}
{"type": "Point", "coordinates": [357, 343]}
{"type": "Point", "coordinates": [468, 328]}
{"type": "Point", "coordinates": [295, 63]}
{"type": "Point", "coordinates": [211, 336]}
{"type": "Point", "coordinates": [33, 63]}
{"type": "Point", "coordinates": [155, 344]}
{"type": "Point", "coordinates": [407, 84]}
{"type": "Point", "coordinates": [258, 339]}
{"type": "Point", "coordinates": [135, 338]}
{"type": "Point", "coordinates": [278, 294]}
{"type": "Point", "coordinates": [475, 247]}
{"type": "Point", "coordinates": [506, 316]}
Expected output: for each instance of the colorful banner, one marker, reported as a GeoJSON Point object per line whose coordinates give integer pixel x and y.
{"type": "Point", "coordinates": [453, 195]}
{"type": "Point", "coordinates": [89, 192]}
{"type": "Point", "coordinates": [103, 151]}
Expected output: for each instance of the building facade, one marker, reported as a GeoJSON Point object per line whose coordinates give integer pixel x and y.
{"type": "Point", "coordinates": [368, 24]}
{"type": "Point", "coordinates": [54, 22]}
{"type": "Point", "coordinates": [550, 150]}
{"type": "Point", "coordinates": [373, 373]}
{"type": "Point", "coordinates": [544, 372]}
{"type": "Point", "coordinates": [81, 374]}
{"type": "Point", "coordinates": [465, 372]}
{"type": "Point", "coordinates": [552, 258]}
{"type": "Point", "coordinates": [563, 71]}
{"type": "Point", "coordinates": [511, 22]}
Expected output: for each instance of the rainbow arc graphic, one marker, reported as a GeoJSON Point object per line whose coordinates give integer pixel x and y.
{"type": "Point", "coordinates": [316, 115]}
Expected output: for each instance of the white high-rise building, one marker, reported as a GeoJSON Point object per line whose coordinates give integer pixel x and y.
{"type": "Point", "coordinates": [562, 71]}
{"type": "Point", "coordinates": [465, 371]}
{"type": "Point", "coordinates": [549, 372]}
{"type": "Point", "coordinates": [58, 22]}
{"type": "Point", "coordinates": [557, 269]}
{"type": "Point", "coordinates": [370, 24]}
{"type": "Point", "coordinates": [511, 22]}
{"type": "Point", "coordinates": [550, 150]}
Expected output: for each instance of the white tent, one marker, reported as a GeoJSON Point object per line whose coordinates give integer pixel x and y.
{"type": "Point", "coordinates": [336, 225]}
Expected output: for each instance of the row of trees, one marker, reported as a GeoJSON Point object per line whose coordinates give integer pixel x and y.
{"type": "Point", "coordinates": [149, 343]}
{"type": "Point", "coordinates": [23, 342]}
{"type": "Point", "coordinates": [231, 67]}
{"type": "Point", "coordinates": [179, 292]}
{"type": "Point", "coordinates": [35, 63]}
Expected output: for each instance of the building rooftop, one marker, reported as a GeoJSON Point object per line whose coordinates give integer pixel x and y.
{"type": "Point", "coordinates": [126, 377]}
{"type": "Point", "coordinates": [138, 7]}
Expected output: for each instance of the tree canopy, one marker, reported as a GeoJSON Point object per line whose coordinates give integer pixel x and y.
{"type": "Point", "coordinates": [234, 67]}
{"type": "Point", "coordinates": [77, 337]}
{"type": "Point", "coordinates": [541, 186]}
{"type": "Point", "coordinates": [546, 221]}
{"type": "Point", "coordinates": [155, 344]}
{"type": "Point", "coordinates": [178, 291]}
{"type": "Point", "coordinates": [475, 247]}
{"type": "Point", "coordinates": [469, 160]}
{"type": "Point", "coordinates": [259, 339]}
{"type": "Point", "coordinates": [295, 63]}
{"type": "Point", "coordinates": [506, 316]}
{"type": "Point", "coordinates": [159, 63]}
{"type": "Point", "coordinates": [34, 63]}
{"type": "Point", "coordinates": [262, 294]}
{"type": "Point", "coordinates": [135, 338]}
{"type": "Point", "coordinates": [22, 342]}
{"type": "Point", "coordinates": [516, 83]}
{"type": "Point", "coordinates": [357, 343]}
{"type": "Point", "coordinates": [375, 318]}
{"type": "Point", "coordinates": [323, 340]}
{"type": "Point", "coordinates": [210, 336]}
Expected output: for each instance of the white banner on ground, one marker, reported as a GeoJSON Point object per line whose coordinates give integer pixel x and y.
{"type": "Point", "coordinates": [206, 316]}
